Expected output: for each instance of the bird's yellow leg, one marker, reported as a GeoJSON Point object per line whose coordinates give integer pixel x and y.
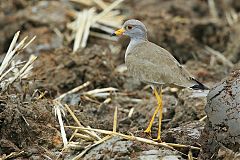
{"type": "Point", "coordinates": [148, 130]}
{"type": "Point", "coordinates": [159, 99]}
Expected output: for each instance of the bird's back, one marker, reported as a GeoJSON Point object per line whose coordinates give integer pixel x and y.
{"type": "Point", "coordinates": [154, 65]}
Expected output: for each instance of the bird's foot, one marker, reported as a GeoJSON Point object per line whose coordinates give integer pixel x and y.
{"type": "Point", "coordinates": [158, 139]}
{"type": "Point", "coordinates": [148, 131]}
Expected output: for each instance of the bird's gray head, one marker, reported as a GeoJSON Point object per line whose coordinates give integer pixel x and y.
{"type": "Point", "coordinates": [133, 28]}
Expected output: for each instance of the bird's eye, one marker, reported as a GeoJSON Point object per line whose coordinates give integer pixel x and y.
{"type": "Point", "coordinates": [129, 27]}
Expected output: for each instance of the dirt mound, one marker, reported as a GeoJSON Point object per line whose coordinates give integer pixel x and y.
{"type": "Point", "coordinates": [27, 123]}
{"type": "Point", "coordinates": [61, 70]}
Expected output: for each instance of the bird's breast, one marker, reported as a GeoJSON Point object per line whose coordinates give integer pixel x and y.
{"type": "Point", "coordinates": [132, 47]}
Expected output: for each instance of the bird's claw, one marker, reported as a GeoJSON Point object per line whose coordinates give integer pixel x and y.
{"type": "Point", "coordinates": [158, 140]}
{"type": "Point", "coordinates": [148, 131]}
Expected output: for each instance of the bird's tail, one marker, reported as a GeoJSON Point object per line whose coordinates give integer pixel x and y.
{"type": "Point", "coordinates": [199, 85]}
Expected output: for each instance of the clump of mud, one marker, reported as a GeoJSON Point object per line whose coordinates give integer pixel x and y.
{"type": "Point", "coordinates": [27, 123]}
{"type": "Point", "coordinates": [63, 70]}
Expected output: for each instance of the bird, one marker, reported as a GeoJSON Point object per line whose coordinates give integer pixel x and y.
{"type": "Point", "coordinates": [153, 65]}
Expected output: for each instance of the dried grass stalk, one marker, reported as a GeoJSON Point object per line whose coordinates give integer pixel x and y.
{"type": "Point", "coordinates": [107, 10]}
{"type": "Point", "coordinates": [90, 15]}
{"type": "Point", "coordinates": [5, 68]}
{"type": "Point", "coordinates": [84, 2]}
{"type": "Point", "coordinates": [10, 53]}
{"type": "Point", "coordinates": [220, 57]}
{"type": "Point", "coordinates": [95, 136]}
{"type": "Point", "coordinates": [115, 120]}
{"type": "Point", "coordinates": [101, 90]}
{"type": "Point", "coordinates": [90, 147]}
{"type": "Point", "coordinates": [212, 9]}
{"type": "Point", "coordinates": [81, 21]}
{"type": "Point", "coordinates": [100, 3]}
{"type": "Point", "coordinates": [58, 111]}
{"type": "Point", "coordinates": [132, 137]}
{"type": "Point", "coordinates": [74, 90]}
{"type": "Point", "coordinates": [105, 21]}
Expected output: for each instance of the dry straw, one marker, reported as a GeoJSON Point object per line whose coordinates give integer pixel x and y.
{"type": "Point", "coordinates": [6, 76]}
{"type": "Point", "coordinates": [105, 21]}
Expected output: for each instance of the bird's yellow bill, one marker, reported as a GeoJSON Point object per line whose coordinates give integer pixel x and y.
{"type": "Point", "coordinates": [119, 32]}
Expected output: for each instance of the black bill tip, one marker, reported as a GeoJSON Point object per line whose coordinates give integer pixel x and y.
{"type": "Point", "coordinates": [113, 34]}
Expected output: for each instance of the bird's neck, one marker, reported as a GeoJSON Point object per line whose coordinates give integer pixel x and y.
{"type": "Point", "coordinates": [133, 43]}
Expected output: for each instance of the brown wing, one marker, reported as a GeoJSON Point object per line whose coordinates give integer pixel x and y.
{"type": "Point", "coordinates": [155, 65]}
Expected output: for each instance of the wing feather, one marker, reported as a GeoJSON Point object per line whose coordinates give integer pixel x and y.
{"type": "Point", "coordinates": [153, 64]}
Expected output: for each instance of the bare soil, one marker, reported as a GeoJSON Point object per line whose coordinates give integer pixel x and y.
{"type": "Point", "coordinates": [182, 27]}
